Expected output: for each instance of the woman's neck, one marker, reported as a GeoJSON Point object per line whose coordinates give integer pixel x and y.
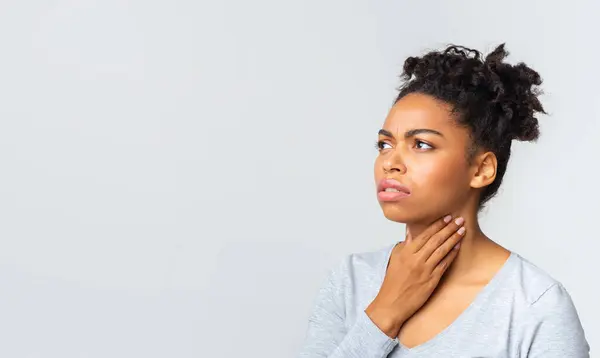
{"type": "Point", "coordinates": [475, 248]}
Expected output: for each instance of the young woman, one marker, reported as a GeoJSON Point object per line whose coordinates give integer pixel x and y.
{"type": "Point", "coordinates": [447, 290]}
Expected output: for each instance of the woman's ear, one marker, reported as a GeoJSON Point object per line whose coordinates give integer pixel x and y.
{"type": "Point", "coordinates": [485, 166]}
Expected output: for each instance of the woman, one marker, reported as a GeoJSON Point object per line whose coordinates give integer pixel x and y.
{"type": "Point", "coordinates": [447, 290]}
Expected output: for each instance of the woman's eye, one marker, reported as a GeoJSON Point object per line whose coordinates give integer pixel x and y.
{"type": "Point", "coordinates": [379, 145]}
{"type": "Point", "coordinates": [422, 145]}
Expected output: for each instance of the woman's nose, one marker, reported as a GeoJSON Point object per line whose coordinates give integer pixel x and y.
{"type": "Point", "coordinates": [394, 163]}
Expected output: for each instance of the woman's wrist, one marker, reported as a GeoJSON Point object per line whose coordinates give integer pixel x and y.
{"type": "Point", "coordinates": [386, 319]}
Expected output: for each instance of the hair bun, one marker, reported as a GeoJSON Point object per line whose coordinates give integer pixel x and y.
{"type": "Point", "coordinates": [514, 94]}
{"type": "Point", "coordinates": [507, 92]}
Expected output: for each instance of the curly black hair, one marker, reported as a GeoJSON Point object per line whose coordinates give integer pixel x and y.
{"type": "Point", "coordinates": [497, 101]}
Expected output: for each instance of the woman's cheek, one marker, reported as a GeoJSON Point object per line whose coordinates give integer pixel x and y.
{"type": "Point", "coordinates": [427, 173]}
{"type": "Point", "coordinates": [436, 176]}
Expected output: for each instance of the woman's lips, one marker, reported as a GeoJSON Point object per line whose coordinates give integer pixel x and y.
{"type": "Point", "coordinates": [391, 195]}
{"type": "Point", "coordinates": [385, 183]}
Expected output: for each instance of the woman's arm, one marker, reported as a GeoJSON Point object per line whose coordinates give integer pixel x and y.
{"type": "Point", "coordinates": [327, 336]}
{"type": "Point", "coordinates": [557, 332]}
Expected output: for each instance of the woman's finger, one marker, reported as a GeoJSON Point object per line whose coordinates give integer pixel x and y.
{"type": "Point", "coordinates": [439, 270]}
{"type": "Point", "coordinates": [438, 255]}
{"type": "Point", "coordinates": [418, 242]}
{"type": "Point", "coordinates": [440, 238]}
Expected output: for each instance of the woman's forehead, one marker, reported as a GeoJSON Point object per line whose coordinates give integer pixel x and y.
{"type": "Point", "coordinates": [419, 111]}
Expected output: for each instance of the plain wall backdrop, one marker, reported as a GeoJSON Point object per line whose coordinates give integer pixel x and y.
{"type": "Point", "coordinates": [178, 176]}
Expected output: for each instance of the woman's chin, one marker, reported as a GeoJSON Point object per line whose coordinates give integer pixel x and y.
{"type": "Point", "coordinates": [397, 214]}
{"type": "Point", "coordinates": [404, 215]}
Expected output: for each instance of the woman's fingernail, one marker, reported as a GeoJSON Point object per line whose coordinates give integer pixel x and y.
{"type": "Point", "coordinates": [457, 246]}
{"type": "Point", "coordinates": [461, 230]}
{"type": "Point", "coordinates": [448, 218]}
{"type": "Point", "coordinates": [459, 221]}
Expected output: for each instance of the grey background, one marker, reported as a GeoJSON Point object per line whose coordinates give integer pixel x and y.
{"type": "Point", "coordinates": [178, 176]}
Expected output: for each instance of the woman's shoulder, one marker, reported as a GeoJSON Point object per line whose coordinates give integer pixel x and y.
{"type": "Point", "coordinates": [552, 318]}
{"type": "Point", "coordinates": [374, 258]}
{"type": "Point", "coordinates": [535, 282]}
{"type": "Point", "coordinates": [363, 265]}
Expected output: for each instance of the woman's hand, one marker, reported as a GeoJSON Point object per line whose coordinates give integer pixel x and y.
{"type": "Point", "coordinates": [414, 271]}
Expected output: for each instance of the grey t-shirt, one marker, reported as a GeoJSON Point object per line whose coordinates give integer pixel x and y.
{"type": "Point", "coordinates": [522, 312]}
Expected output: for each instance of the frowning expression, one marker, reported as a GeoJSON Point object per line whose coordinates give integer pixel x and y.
{"type": "Point", "coordinates": [422, 147]}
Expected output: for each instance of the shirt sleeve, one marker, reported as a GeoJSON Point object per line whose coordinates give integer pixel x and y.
{"type": "Point", "coordinates": [558, 332]}
{"type": "Point", "coordinates": [327, 335]}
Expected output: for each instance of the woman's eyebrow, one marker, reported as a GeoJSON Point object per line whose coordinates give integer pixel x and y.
{"type": "Point", "coordinates": [411, 133]}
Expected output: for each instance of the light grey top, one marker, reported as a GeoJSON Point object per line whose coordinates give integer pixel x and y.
{"type": "Point", "coordinates": [522, 312]}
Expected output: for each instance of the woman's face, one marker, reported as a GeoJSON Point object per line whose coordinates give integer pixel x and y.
{"type": "Point", "coordinates": [423, 148]}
